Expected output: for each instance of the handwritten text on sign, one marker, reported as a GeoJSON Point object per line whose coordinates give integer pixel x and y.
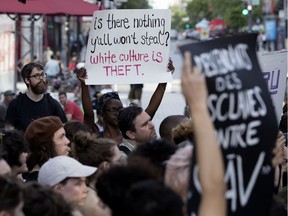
{"type": "Point", "coordinates": [128, 46]}
{"type": "Point", "coordinates": [244, 118]}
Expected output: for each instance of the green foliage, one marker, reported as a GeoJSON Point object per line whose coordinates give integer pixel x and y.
{"type": "Point", "coordinates": [177, 18]}
{"type": "Point", "coordinates": [197, 10]}
{"type": "Point", "coordinates": [136, 4]}
{"type": "Point", "coordinates": [234, 18]}
{"type": "Point", "coordinates": [229, 10]}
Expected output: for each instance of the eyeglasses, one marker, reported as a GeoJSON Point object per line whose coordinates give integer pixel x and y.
{"type": "Point", "coordinates": [38, 76]}
{"type": "Point", "coordinates": [114, 110]}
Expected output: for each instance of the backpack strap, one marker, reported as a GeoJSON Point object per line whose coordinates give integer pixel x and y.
{"type": "Point", "coordinates": [124, 149]}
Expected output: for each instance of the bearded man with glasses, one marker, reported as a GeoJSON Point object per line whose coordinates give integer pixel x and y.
{"type": "Point", "coordinates": [34, 103]}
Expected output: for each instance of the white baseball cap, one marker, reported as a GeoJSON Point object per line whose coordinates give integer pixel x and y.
{"type": "Point", "coordinates": [59, 168]}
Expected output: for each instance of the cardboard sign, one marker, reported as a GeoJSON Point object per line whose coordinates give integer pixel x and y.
{"type": "Point", "coordinates": [244, 119]}
{"type": "Point", "coordinates": [274, 68]}
{"type": "Point", "coordinates": [128, 46]}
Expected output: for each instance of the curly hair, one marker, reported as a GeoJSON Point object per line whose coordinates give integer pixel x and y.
{"type": "Point", "coordinates": [13, 146]}
{"type": "Point", "coordinates": [182, 132]}
{"type": "Point", "coordinates": [104, 99]}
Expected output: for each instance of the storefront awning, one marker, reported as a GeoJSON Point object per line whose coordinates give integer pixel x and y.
{"type": "Point", "coordinates": [48, 7]}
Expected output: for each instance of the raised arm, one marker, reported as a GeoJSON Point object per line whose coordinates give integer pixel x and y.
{"type": "Point", "coordinates": [208, 153]}
{"type": "Point", "coordinates": [89, 118]}
{"type": "Point", "coordinates": [157, 96]}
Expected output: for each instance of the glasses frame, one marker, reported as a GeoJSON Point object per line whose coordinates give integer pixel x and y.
{"type": "Point", "coordinates": [114, 110]}
{"type": "Point", "coordinates": [38, 76]}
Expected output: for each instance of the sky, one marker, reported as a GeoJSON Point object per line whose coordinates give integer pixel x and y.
{"type": "Point", "coordinates": [160, 4]}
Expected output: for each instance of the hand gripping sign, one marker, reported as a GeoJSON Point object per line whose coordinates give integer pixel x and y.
{"type": "Point", "coordinates": [245, 122]}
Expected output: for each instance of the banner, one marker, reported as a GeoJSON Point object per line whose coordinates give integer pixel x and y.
{"type": "Point", "coordinates": [274, 68]}
{"type": "Point", "coordinates": [244, 118]}
{"type": "Point", "coordinates": [128, 46]}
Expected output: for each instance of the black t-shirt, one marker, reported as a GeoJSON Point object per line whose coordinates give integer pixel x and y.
{"type": "Point", "coordinates": [22, 110]}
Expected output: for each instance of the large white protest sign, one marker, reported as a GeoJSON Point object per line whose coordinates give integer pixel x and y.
{"type": "Point", "coordinates": [128, 46]}
{"type": "Point", "coordinates": [274, 68]}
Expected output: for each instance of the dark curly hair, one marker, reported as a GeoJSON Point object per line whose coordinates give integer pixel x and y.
{"type": "Point", "coordinates": [12, 147]}
{"type": "Point", "coordinates": [104, 99]}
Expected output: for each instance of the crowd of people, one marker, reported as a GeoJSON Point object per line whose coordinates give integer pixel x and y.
{"type": "Point", "coordinates": [58, 161]}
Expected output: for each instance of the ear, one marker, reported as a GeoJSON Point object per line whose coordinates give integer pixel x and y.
{"type": "Point", "coordinates": [104, 166]}
{"type": "Point", "coordinates": [27, 81]}
{"type": "Point", "coordinates": [57, 187]}
{"type": "Point", "coordinates": [130, 134]}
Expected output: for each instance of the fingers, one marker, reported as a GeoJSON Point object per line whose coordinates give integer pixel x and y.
{"type": "Point", "coordinates": [187, 63]}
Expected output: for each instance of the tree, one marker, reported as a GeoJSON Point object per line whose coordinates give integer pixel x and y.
{"type": "Point", "coordinates": [135, 4]}
{"type": "Point", "coordinates": [177, 18]}
{"type": "Point", "coordinates": [197, 10]}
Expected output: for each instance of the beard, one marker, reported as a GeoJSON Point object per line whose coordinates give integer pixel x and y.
{"type": "Point", "coordinates": [39, 88]}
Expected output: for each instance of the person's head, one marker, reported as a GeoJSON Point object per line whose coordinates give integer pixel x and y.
{"type": "Point", "coordinates": [66, 176]}
{"type": "Point", "coordinates": [135, 124]}
{"type": "Point", "coordinates": [109, 107]}
{"type": "Point", "coordinates": [45, 138]}
{"type": "Point", "coordinates": [34, 77]}
{"type": "Point", "coordinates": [170, 122]}
{"type": "Point", "coordinates": [73, 126]}
{"type": "Point", "coordinates": [62, 97]}
{"type": "Point", "coordinates": [96, 152]}
{"type": "Point", "coordinates": [14, 151]}
{"type": "Point", "coordinates": [11, 198]}
{"type": "Point", "coordinates": [8, 96]}
{"type": "Point", "coordinates": [156, 153]}
{"type": "Point", "coordinates": [43, 200]}
{"type": "Point", "coordinates": [152, 198]}
{"type": "Point", "coordinates": [182, 132]}
{"type": "Point", "coordinates": [113, 184]}
{"type": "Point", "coordinates": [97, 95]}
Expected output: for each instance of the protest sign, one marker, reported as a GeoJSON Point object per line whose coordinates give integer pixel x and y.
{"type": "Point", "coordinates": [274, 68]}
{"type": "Point", "coordinates": [128, 46]}
{"type": "Point", "coordinates": [244, 118]}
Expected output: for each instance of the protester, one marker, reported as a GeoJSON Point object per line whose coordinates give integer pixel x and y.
{"type": "Point", "coordinates": [71, 109]}
{"type": "Point", "coordinates": [8, 97]}
{"type": "Point", "coordinates": [11, 197]}
{"type": "Point", "coordinates": [167, 125]}
{"type": "Point", "coordinates": [211, 171]}
{"type": "Point", "coordinates": [152, 198]}
{"type": "Point", "coordinates": [67, 176]}
{"type": "Point", "coordinates": [35, 103]}
{"type": "Point", "coordinates": [45, 138]}
{"type": "Point", "coordinates": [101, 153]}
{"type": "Point", "coordinates": [15, 153]}
{"type": "Point", "coordinates": [113, 185]}
{"type": "Point", "coordinates": [153, 154]}
{"type": "Point", "coordinates": [136, 128]}
{"type": "Point", "coordinates": [73, 126]}
{"type": "Point", "coordinates": [183, 132]}
{"type": "Point", "coordinates": [111, 102]}
{"type": "Point", "coordinates": [40, 200]}
{"type": "Point", "coordinates": [47, 54]}
{"type": "Point", "coordinates": [52, 69]}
